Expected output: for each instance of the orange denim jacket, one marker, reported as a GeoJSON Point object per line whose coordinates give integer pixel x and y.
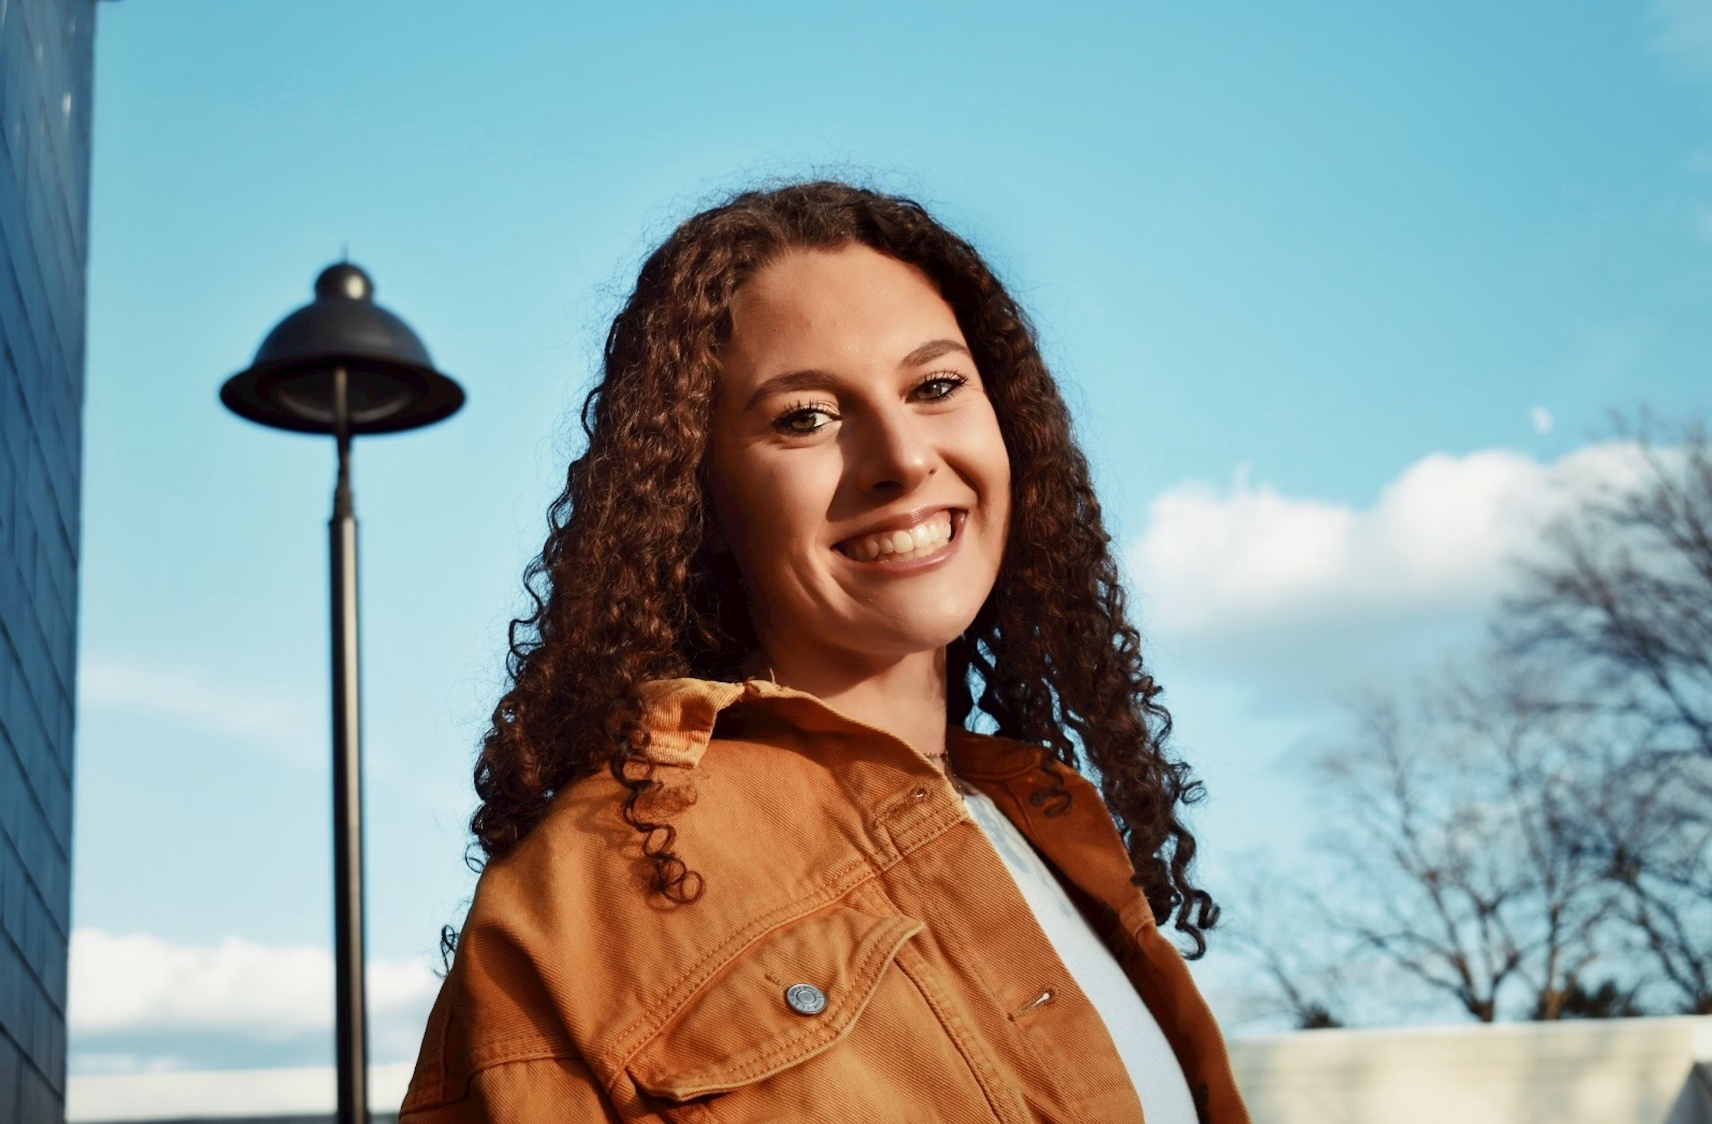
{"type": "Point", "coordinates": [833, 855]}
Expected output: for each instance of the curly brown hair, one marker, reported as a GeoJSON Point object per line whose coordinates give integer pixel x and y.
{"type": "Point", "coordinates": [629, 587]}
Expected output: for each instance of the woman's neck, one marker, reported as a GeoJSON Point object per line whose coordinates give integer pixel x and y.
{"type": "Point", "coordinates": [904, 697]}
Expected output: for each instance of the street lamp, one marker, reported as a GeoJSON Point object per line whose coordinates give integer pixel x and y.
{"type": "Point", "coordinates": [344, 366]}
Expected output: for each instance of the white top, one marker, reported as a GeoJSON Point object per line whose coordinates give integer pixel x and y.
{"type": "Point", "coordinates": [1153, 1067]}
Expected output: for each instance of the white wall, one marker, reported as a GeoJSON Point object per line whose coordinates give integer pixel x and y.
{"type": "Point", "coordinates": [226, 1093]}
{"type": "Point", "coordinates": [1618, 1071]}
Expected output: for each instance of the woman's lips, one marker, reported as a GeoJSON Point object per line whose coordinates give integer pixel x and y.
{"type": "Point", "coordinates": [921, 540]}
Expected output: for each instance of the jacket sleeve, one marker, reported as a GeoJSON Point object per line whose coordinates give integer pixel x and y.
{"type": "Point", "coordinates": [543, 1091]}
{"type": "Point", "coordinates": [494, 1050]}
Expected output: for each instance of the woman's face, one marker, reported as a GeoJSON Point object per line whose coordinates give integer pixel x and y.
{"type": "Point", "coordinates": [857, 469]}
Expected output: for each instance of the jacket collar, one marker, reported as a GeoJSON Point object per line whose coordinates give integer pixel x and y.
{"type": "Point", "coordinates": [679, 717]}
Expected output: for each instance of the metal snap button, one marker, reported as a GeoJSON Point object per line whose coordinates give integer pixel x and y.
{"type": "Point", "coordinates": [805, 999]}
{"type": "Point", "coordinates": [920, 793]}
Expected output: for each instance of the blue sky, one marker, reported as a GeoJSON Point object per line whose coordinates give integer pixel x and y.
{"type": "Point", "coordinates": [1324, 284]}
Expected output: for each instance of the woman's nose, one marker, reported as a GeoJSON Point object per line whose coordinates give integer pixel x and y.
{"type": "Point", "coordinates": [893, 455]}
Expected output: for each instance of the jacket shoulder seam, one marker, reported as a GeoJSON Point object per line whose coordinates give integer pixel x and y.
{"type": "Point", "coordinates": [493, 1056]}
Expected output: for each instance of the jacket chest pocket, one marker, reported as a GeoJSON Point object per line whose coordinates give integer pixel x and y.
{"type": "Point", "coordinates": [830, 1018]}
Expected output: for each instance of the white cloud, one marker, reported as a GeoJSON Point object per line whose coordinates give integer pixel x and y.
{"type": "Point", "coordinates": [137, 983]}
{"type": "Point", "coordinates": [1253, 581]}
{"type": "Point", "coordinates": [200, 701]}
{"type": "Point", "coordinates": [1542, 419]}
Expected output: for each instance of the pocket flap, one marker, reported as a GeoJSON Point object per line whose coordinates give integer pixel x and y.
{"type": "Point", "coordinates": [740, 1028]}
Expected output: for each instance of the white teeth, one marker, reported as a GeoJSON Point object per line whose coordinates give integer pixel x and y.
{"type": "Point", "coordinates": [901, 546]}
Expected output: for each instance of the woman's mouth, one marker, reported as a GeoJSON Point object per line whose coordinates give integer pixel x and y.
{"type": "Point", "coordinates": [904, 545]}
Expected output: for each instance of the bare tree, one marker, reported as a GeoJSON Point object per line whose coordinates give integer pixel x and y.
{"type": "Point", "coordinates": [1500, 833]}
{"type": "Point", "coordinates": [1275, 923]}
{"type": "Point", "coordinates": [1619, 601]}
{"type": "Point", "coordinates": [1622, 592]}
{"type": "Point", "coordinates": [1651, 826]}
{"type": "Point", "coordinates": [1457, 841]}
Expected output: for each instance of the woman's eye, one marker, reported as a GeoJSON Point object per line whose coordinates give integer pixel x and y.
{"type": "Point", "coordinates": [803, 420]}
{"type": "Point", "coordinates": [940, 386]}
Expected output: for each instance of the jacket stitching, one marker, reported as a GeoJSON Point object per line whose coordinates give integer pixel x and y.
{"type": "Point", "coordinates": [837, 887]}
{"type": "Point", "coordinates": [759, 1066]}
{"type": "Point", "coordinates": [887, 938]}
{"type": "Point", "coordinates": [684, 988]}
{"type": "Point", "coordinates": [445, 1099]}
{"type": "Point", "coordinates": [980, 1066]}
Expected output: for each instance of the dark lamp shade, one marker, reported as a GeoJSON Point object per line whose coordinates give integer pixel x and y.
{"type": "Point", "coordinates": [391, 384]}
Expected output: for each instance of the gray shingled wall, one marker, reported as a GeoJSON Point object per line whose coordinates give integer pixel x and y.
{"type": "Point", "coordinates": [46, 71]}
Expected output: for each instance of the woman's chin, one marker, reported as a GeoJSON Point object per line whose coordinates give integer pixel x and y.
{"type": "Point", "coordinates": [915, 636]}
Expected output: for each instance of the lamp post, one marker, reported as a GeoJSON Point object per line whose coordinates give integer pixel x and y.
{"type": "Point", "coordinates": [342, 365]}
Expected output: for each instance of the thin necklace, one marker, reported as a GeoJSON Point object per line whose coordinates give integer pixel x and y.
{"type": "Point", "coordinates": [940, 761]}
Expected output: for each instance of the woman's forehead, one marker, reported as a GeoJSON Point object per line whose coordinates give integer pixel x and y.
{"type": "Point", "coordinates": [813, 307]}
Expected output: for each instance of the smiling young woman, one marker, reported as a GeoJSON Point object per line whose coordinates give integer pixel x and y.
{"type": "Point", "coordinates": [748, 858]}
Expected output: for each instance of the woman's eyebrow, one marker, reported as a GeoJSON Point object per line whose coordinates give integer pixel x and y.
{"type": "Point", "coordinates": [930, 351]}
{"type": "Point", "coordinates": [792, 381]}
